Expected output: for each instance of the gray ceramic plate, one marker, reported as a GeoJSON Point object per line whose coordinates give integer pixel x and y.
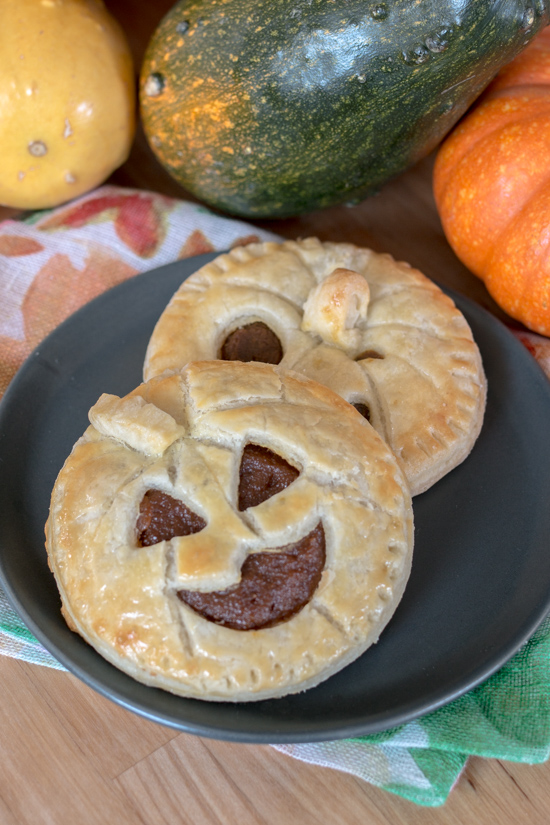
{"type": "Point", "coordinates": [480, 582]}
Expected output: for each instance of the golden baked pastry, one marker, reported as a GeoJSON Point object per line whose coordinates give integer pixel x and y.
{"type": "Point", "coordinates": [377, 332]}
{"type": "Point", "coordinates": [232, 532]}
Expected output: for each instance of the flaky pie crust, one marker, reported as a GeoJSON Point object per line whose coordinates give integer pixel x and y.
{"type": "Point", "coordinates": [335, 307]}
{"type": "Point", "coordinates": [184, 434]}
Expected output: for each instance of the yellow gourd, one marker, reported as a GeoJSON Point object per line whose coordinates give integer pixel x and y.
{"type": "Point", "coordinates": [67, 100]}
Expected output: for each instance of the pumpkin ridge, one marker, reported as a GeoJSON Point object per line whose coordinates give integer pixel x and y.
{"type": "Point", "coordinates": [468, 136]}
{"type": "Point", "coordinates": [456, 220]}
{"type": "Point", "coordinates": [517, 218]}
{"type": "Point", "coordinates": [524, 290]}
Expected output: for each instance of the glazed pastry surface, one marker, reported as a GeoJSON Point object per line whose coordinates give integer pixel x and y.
{"type": "Point", "coordinates": [183, 436]}
{"type": "Point", "coordinates": [377, 332]}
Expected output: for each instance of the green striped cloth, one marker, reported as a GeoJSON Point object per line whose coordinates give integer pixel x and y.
{"type": "Point", "coordinates": [507, 717]}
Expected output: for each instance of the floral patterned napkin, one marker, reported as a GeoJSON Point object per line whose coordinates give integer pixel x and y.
{"type": "Point", "coordinates": [54, 262]}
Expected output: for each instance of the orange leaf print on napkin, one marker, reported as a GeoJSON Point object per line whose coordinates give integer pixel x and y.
{"type": "Point", "coordinates": [55, 261]}
{"type": "Point", "coordinates": [137, 218]}
{"type": "Point", "coordinates": [15, 246]}
{"type": "Point", "coordinates": [58, 290]}
{"type": "Point", "coordinates": [196, 244]}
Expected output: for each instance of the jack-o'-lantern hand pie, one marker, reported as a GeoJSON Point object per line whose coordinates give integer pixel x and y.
{"type": "Point", "coordinates": [377, 332]}
{"type": "Point", "coordinates": [232, 532]}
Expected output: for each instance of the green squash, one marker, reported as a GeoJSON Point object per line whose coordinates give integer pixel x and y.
{"type": "Point", "coordinates": [272, 108]}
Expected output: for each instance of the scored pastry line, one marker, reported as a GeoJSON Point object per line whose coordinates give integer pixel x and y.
{"type": "Point", "coordinates": [141, 425]}
{"type": "Point", "coordinates": [382, 289]}
{"type": "Point", "coordinates": [174, 603]}
{"type": "Point", "coordinates": [326, 613]}
{"type": "Point", "coordinates": [262, 288]}
{"type": "Point", "coordinates": [189, 285]}
{"type": "Point", "coordinates": [425, 333]}
{"type": "Point", "coordinates": [429, 378]}
{"type": "Point", "coordinates": [423, 447]}
{"type": "Point", "coordinates": [114, 501]}
{"type": "Point", "coordinates": [437, 438]}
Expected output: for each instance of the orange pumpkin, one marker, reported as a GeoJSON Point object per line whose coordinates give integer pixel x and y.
{"type": "Point", "coordinates": [492, 187]}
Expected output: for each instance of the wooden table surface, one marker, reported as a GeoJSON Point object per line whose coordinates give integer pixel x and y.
{"type": "Point", "coordinates": [70, 757]}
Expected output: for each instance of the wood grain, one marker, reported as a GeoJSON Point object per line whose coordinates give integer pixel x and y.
{"type": "Point", "coordinates": [68, 756]}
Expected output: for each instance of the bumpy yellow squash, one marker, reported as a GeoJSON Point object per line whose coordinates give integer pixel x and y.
{"type": "Point", "coordinates": [67, 100]}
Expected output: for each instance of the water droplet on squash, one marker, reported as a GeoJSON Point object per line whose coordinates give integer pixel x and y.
{"type": "Point", "coordinates": [446, 107]}
{"type": "Point", "coordinates": [154, 85]}
{"type": "Point", "coordinates": [361, 78]}
{"type": "Point", "coordinates": [528, 19]}
{"type": "Point", "coordinates": [417, 56]}
{"type": "Point", "coordinates": [380, 11]}
{"type": "Point", "coordinates": [435, 45]}
{"type": "Point", "coordinates": [182, 26]}
{"type": "Point", "coordinates": [37, 148]}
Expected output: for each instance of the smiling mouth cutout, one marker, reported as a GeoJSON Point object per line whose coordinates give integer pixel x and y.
{"type": "Point", "coordinates": [274, 585]}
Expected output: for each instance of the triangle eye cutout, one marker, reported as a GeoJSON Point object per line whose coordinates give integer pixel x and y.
{"type": "Point", "coordinates": [162, 517]}
{"type": "Point", "coordinates": [252, 342]}
{"type": "Point", "coordinates": [262, 474]}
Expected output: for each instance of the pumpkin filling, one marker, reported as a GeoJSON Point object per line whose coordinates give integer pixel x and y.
{"type": "Point", "coordinates": [253, 342]}
{"type": "Point", "coordinates": [363, 409]}
{"type": "Point", "coordinates": [275, 585]}
{"type": "Point", "coordinates": [262, 474]}
{"type": "Point", "coordinates": [368, 353]}
{"type": "Point", "coordinates": [162, 517]}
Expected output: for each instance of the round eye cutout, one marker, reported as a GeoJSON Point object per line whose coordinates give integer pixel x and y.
{"type": "Point", "coordinates": [252, 342]}
{"type": "Point", "coordinates": [230, 532]}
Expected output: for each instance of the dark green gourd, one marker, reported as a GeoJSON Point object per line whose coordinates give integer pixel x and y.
{"type": "Point", "coordinates": [272, 108]}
